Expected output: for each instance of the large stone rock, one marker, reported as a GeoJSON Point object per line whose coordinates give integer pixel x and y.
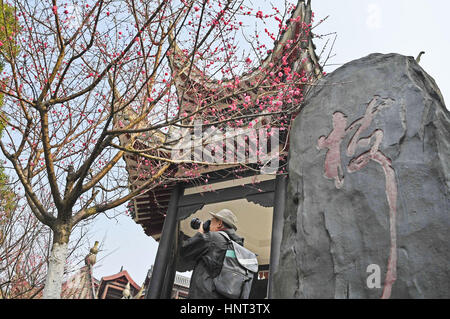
{"type": "Point", "coordinates": [368, 197]}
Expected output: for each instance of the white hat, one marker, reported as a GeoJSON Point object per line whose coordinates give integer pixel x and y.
{"type": "Point", "coordinates": [227, 217]}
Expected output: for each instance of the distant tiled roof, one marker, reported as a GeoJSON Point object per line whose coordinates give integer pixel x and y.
{"type": "Point", "coordinates": [80, 286]}
{"type": "Point", "coordinates": [182, 281]}
{"type": "Point", "coordinates": [111, 287]}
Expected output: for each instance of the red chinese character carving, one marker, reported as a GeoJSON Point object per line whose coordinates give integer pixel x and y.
{"type": "Point", "coordinates": [333, 167]}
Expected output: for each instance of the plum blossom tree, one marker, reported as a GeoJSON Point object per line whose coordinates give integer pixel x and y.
{"type": "Point", "coordinates": [97, 80]}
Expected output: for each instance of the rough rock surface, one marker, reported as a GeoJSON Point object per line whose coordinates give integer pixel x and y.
{"type": "Point", "coordinates": [367, 208]}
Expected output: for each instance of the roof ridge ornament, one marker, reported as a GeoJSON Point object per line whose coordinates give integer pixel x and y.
{"type": "Point", "coordinates": [91, 258]}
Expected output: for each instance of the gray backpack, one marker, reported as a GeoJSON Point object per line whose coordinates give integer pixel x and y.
{"type": "Point", "coordinates": [239, 267]}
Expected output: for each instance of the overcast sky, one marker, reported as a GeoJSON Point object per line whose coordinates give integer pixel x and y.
{"type": "Point", "coordinates": [390, 26]}
{"type": "Point", "coordinates": [363, 27]}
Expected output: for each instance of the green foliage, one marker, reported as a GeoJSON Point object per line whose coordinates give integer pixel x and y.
{"type": "Point", "coordinates": [7, 196]}
{"type": "Point", "coordinates": [9, 28]}
{"type": "Point", "coordinates": [8, 48]}
{"type": "Point", "coordinates": [8, 32]}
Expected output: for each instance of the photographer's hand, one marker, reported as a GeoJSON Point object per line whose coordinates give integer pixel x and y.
{"type": "Point", "coordinates": [200, 229]}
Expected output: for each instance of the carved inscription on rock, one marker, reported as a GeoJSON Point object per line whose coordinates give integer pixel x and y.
{"type": "Point", "coordinates": [333, 168]}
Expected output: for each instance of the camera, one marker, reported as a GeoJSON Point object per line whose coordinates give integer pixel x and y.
{"type": "Point", "coordinates": [196, 222]}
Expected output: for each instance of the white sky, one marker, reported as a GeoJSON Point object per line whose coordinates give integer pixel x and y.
{"type": "Point", "coordinates": [363, 27]}
{"type": "Point", "coordinates": [390, 26]}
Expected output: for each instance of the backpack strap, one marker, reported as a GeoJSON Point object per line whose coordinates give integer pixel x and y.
{"type": "Point", "coordinates": [229, 252]}
{"type": "Point", "coordinates": [224, 234]}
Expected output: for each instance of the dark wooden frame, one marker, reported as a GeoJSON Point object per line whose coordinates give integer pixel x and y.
{"type": "Point", "coordinates": [269, 193]}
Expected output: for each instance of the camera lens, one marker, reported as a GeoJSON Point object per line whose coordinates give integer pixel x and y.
{"type": "Point", "coordinates": [195, 223]}
{"type": "Point", "coordinates": [206, 225]}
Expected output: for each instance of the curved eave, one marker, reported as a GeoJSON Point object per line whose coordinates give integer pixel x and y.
{"type": "Point", "coordinates": [186, 75]}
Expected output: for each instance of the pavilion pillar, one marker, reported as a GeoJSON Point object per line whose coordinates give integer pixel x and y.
{"type": "Point", "coordinates": [277, 227]}
{"type": "Point", "coordinates": [166, 247]}
{"type": "Point", "coordinates": [169, 278]}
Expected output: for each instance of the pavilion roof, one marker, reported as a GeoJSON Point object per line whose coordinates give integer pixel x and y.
{"type": "Point", "coordinates": [149, 208]}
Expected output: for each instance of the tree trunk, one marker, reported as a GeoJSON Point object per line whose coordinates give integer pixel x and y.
{"type": "Point", "coordinates": [56, 263]}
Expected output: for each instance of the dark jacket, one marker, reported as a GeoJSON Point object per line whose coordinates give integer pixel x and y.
{"type": "Point", "coordinates": [207, 251]}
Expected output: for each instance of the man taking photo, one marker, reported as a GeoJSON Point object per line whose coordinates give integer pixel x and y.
{"type": "Point", "coordinates": [208, 249]}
